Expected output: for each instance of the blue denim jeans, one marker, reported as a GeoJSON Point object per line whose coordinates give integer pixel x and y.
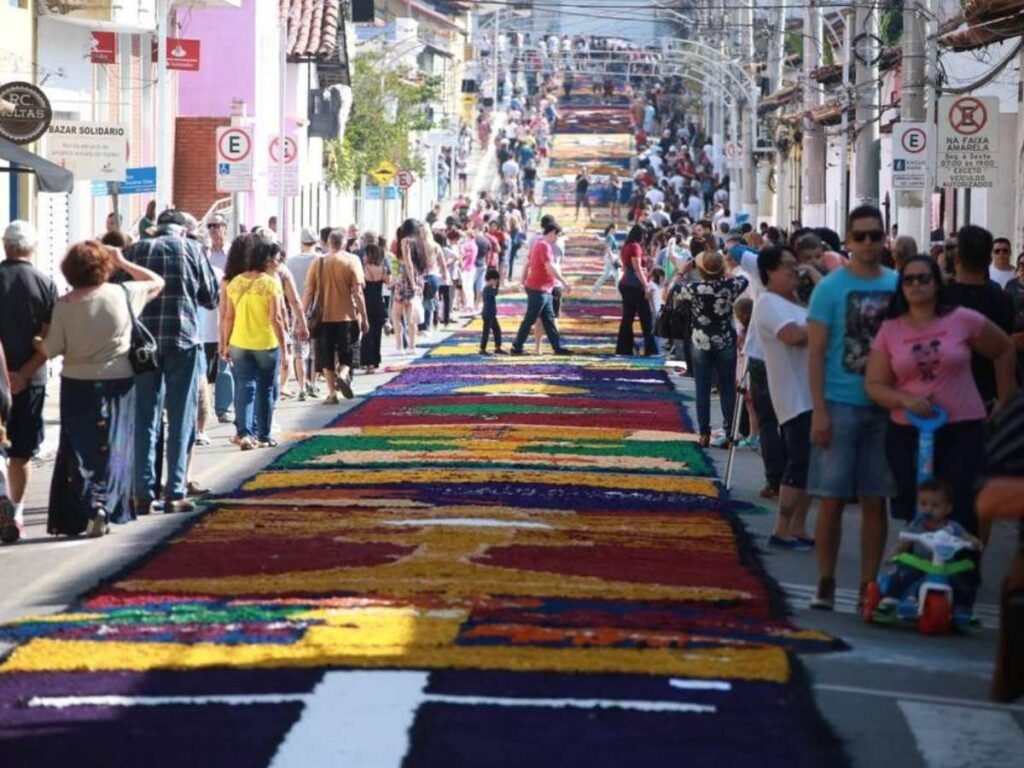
{"type": "Point", "coordinates": [538, 304]}
{"type": "Point", "coordinates": [224, 388]}
{"type": "Point", "coordinates": [722, 362]}
{"type": "Point", "coordinates": [176, 385]}
{"type": "Point", "coordinates": [430, 305]}
{"type": "Point", "coordinates": [255, 378]}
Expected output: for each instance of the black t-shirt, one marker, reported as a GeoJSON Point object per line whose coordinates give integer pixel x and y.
{"type": "Point", "coordinates": [27, 297]}
{"type": "Point", "coordinates": [582, 185]}
{"type": "Point", "coordinates": [990, 300]}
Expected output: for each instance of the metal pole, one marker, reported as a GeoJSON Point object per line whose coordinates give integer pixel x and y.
{"type": "Point", "coordinates": [868, 107]}
{"type": "Point", "coordinates": [844, 134]}
{"type": "Point", "coordinates": [163, 112]}
{"type": "Point", "coordinates": [812, 213]}
{"type": "Point", "coordinates": [910, 204]}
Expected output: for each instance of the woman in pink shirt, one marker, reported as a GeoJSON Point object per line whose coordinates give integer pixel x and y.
{"type": "Point", "coordinates": [922, 356]}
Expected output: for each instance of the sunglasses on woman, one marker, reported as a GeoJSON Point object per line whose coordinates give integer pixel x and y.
{"type": "Point", "coordinates": [876, 236]}
{"type": "Point", "coordinates": [922, 279]}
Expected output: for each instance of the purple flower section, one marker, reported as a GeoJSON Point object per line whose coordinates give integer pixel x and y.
{"type": "Point", "coordinates": [581, 500]}
{"type": "Point", "coordinates": [755, 724]}
{"type": "Point", "coordinates": [428, 374]}
{"type": "Point", "coordinates": [154, 737]}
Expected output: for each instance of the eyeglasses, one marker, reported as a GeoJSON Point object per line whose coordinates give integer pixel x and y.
{"type": "Point", "coordinates": [1000, 250]}
{"type": "Point", "coordinates": [876, 236]}
{"type": "Point", "coordinates": [922, 279]}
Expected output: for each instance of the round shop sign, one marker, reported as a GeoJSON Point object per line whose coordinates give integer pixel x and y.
{"type": "Point", "coordinates": [27, 112]}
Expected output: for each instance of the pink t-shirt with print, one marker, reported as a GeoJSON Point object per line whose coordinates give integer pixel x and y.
{"type": "Point", "coordinates": [935, 361]}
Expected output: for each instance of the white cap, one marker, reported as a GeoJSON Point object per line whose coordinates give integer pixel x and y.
{"type": "Point", "coordinates": [21, 236]}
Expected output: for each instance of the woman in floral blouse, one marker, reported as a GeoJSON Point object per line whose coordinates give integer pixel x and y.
{"type": "Point", "coordinates": [713, 339]}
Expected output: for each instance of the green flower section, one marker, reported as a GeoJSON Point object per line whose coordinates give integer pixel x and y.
{"type": "Point", "coordinates": [683, 456]}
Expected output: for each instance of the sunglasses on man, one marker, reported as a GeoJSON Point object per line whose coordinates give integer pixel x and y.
{"type": "Point", "coordinates": [875, 235]}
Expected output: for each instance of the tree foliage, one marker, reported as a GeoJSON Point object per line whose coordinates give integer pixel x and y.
{"type": "Point", "coordinates": [370, 136]}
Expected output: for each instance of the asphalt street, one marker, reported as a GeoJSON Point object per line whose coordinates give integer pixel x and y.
{"type": "Point", "coordinates": [895, 697]}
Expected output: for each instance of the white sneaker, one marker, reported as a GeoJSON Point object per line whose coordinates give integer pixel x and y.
{"type": "Point", "coordinates": [202, 439]}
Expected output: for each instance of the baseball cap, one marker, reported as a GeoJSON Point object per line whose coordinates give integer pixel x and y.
{"type": "Point", "coordinates": [309, 237]}
{"type": "Point", "coordinates": [21, 235]}
{"type": "Point", "coordinates": [171, 216]}
{"type": "Point", "coordinates": [216, 221]}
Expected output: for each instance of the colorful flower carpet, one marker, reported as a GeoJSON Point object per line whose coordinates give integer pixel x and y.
{"type": "Point", "coordinates": [492, 561]}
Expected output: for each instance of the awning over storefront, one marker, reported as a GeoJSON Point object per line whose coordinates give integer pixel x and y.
{"type": "Point", "coordinates": [50, 177]}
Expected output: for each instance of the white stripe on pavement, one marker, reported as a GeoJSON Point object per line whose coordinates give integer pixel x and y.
{"type": "Point", "coordinates": [963, 737]}
{"type": "Point", "coordinates": [922, 697]}
{"type": "Point", "coordinates": [355, 718]}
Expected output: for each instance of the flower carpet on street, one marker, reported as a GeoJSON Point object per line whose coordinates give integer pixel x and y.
{"type": "Point", "coordinates": [491, 561]}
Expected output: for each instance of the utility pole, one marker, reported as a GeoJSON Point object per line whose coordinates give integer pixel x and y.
{"type": "Point", "coordinates": [497, 54]}
{"type": "Point", "coordinates": [164, 191]}
{"type": "Point", "coordinates": [931, 81]}
{"type": "Point", "coordinates": [776, 62]}
{"type": "Point", "coordinates": [282, 145]}
{"type": "Point", "coordinates": [812, 212]}
{"type": "Point", "coordinates": [910, 212]}
{"type": "Point", "coordinates": [749, 130]}
{"type": "Point", "coordinates": [867, 150]}
{"type": "Point", "coordinates": [844, 124]}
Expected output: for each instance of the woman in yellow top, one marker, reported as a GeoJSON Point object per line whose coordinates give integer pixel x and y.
{"type": "Point", "coordinates": [252, 337]}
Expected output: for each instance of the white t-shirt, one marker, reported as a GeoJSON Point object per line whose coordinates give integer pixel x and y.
{"type": "Point", "coordinates": [1001, 276]}
{"type": "Point", "coordinates": [299, 265]}
{"type": "Point", "coordinates": [786, 365]}
{"type": "Point", "coordinates": [655, 196]}
{"type": "Point", "coordinates": [210, 318]}
{"type": "Point", "coordinates": [510, 169]}
{"type": "Point", "coordinates": [748, 263]}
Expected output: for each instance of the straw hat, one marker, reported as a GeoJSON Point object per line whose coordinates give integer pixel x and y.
{"type": "Point", "coordinates": [710, 263]}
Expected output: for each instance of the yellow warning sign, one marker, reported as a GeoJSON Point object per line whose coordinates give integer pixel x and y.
{"type": "Point", "coordinates": [384, 173]}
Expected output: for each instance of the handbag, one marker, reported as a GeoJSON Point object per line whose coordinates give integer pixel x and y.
{"type": "Point", "coordinates": [142, 352]}
{"type": "Point", "coordinates": [315, 311]}
{"type": "Point", "coordinates": [416, 302]}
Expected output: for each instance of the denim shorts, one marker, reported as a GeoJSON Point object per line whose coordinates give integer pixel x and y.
{"type": "Point", "coordinates": [854, 464]}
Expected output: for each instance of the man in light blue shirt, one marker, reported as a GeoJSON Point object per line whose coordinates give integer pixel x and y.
{"type": "Point", "coordinates": [847, 429]}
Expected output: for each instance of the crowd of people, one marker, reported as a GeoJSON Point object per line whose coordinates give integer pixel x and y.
{"type": "Point", "coordinates": [823, 350]}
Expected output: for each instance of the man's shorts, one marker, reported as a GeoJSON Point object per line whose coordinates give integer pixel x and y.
{"type": "Point", "coordinates": [25, 430]}
{"type": "Point", "coordinates": [337, 344]}
{"type": "Point", "coordinates": [854, 464]}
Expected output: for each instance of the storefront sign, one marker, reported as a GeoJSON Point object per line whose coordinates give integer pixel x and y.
{"type": "Point", "coordinates": [181, 54]}
{"type": "Point", "coordinates": [103, 49]}
{"type": "Point", "coordinates": [95, 151]}
{"type": "Point", "coordinates": [29, 113]}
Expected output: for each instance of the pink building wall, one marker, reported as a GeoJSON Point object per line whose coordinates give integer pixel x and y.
{"type": "Point", "coordinates": [228, 53]}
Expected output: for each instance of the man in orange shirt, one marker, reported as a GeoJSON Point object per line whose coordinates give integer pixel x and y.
{"type": "Point", "coordinates": [336, 285]}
